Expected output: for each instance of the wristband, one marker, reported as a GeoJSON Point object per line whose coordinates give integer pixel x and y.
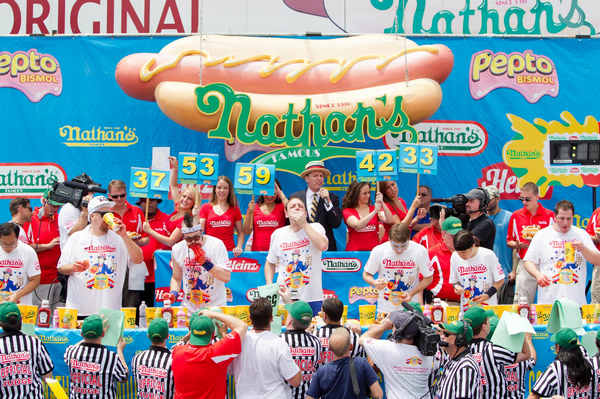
{"type": "Point", "coordinates": [491, 291]}
{"type": "Point", "coordinates": [208, 265]}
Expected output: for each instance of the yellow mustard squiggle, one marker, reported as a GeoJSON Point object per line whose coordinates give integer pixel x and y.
{"type": "Point", "coordinates": [147, 73]}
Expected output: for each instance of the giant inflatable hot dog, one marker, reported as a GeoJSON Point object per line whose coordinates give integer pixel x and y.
{"type": "Point", "coordinates": [284, 76]}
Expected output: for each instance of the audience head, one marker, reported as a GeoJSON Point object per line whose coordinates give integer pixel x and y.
{"type": "Point", "coordinates": [261, 313]}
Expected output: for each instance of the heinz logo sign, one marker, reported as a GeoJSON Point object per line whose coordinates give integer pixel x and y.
{"type": "Point", "coordinates": [245, 265]}
{"type": "Point", "coordinates": [341, 265]}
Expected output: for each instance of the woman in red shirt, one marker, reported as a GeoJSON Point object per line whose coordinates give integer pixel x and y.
{"type": "Point", "coordinates": [262, 220]}
{"type": "Point", "coordinates": [222, 216]}
{"type": "Point", "coordinates": [393, 203]}
{"type": "Point", "coordinates": [361, 217]}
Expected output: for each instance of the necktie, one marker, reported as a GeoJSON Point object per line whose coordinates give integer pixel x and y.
{"type": "Point", "coordinates": [313, 208]}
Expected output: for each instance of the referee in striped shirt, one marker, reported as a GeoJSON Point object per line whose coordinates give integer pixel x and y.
{"type": "Point", "coordinates": [332, 311]}
{"type": "Point", "coordinates": [94, 370]}
{"type": "Point", "coordinates": [491, 358]}
{"type": "Point", "coordinates": [152, 368]}
{"type": "Point", "coordinates": [24, 360]}
{"type": "Point", "coordinates": [304, 347]}
{"type": "Point", "coordinates": [459, 375]}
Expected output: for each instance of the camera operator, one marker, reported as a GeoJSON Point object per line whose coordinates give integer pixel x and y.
{"type": "Point", "coordinates": [405, 369]}
{"type": "Point", "coordinates": [479, 224]}
{"type": "Point", "coordinates": [459, 375]}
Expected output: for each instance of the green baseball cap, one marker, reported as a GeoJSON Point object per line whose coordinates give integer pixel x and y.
{"type": "Point", "coordinates": [477, 315]}
{"type": "Point", "coordinates": [565, 338]}
{"type": "Point", "coordinates": [452, 225]}
{"type": "Point", "coordinates": [458, 327]}
{"type": "Point", "coordinates": [8, 309]}
{"type": "Point", "coordinates": [493, 324]}
{"type": "Point", "coordinates": [300, 311]}
{"type": "Point", "coordinates": [49, 197]}
{"type": "Point", "coordinates": [92, 327]}
{"type": "Point", "coordinates": [416, 306]}
{"type": "Point", "coordinates": [202, 329]}
{"type": "Point", "coordinates": [158, 329]}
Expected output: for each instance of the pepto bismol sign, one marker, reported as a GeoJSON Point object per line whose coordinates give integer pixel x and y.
{"type": "Point", "coordinates": [28, 180]}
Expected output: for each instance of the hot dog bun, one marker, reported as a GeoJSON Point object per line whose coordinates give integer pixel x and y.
{"type": "Point", "coordinates": [284, 66]}
{"type": "Point", "coordinates": [421, 98]}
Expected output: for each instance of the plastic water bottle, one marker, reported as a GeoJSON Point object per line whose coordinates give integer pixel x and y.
{"type": "Point", "coordinates": [142, 313]}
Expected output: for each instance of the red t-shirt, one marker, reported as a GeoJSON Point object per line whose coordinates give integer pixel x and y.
{"type": "Point", "coordinates": [366, 238]}
{"type": "Point", "coordinates": [42, 232]}
{"type": "Point", "coordinates": [428, 237]}
{"type": "Point", "coordinates": [395, 211]}
{"type": "Point", "coordinates": [133, 218]}
{"type": "Point", "coordinates": [440, 262]}
{"type": "Point", "coordinates": [594, 224]}
{"type": "Point", "coordinates": [522, 225]}
{"type": "Point", "coordinates": [159, 224]}
{"type": "Point", "coordinates": [200, 372]}
{"type": "Point", "coordinates": [220, 226]}
{"type": "Point", "coordinates": [265, 225]}
{"type": "Point", "coordinates": [173, 224]}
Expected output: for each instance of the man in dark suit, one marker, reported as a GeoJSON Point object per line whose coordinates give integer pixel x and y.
{"type": "Point", "coordinates": [321, 206]}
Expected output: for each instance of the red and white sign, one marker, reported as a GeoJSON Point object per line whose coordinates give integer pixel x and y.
{"type": "Point", "coordinates": [245, 265]}
{"type": "Point", "coordinates": [501, 176]}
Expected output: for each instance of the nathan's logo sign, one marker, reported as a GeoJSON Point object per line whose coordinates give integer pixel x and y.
{"type": "Point", "coordinates": [455, 17]}
{"type": "Point", "coordinates": [528, 154]}
{"type": "Point", "coordinates": [453, 138]}
{"type": "Point", "coordinates": [252, 294]}
{"type": "Point", "coordinates": [503, 178]}
{"type": "Point", "coordinates": [98, 136]}
{"type": "Point", "coordinates": [244, 265]}
{"type": "Point", "coordinates": [29, 180]}
{"type": "Point", "coordinates": [341, 264]}
{"type": "Point", "coordinates": [33, 73]}
{"type": "Point", "coordinates": [531, 75]}
{"type": "Point", "coordinates": [368, 294]}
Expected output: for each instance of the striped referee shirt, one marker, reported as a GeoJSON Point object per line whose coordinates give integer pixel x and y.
{"type": "Point", "coordinates": [492, 359]}
{"type": "Point", "coordinates": [458, 378]}
{"type": "Point", "coordinates": [23, 362]}
{"type": "Point", "coordinates": [94, 371]}
{"type": "Point", "coordinates": [153, 374]}
{"type": "Point", "coordinates": [306, 351]}
{"type": "Point", "coordinates": [323, 333]}
{"type": "Point", "coordinates": [555, 381]}
{"type": "Point", "coordinates": [514, 375]}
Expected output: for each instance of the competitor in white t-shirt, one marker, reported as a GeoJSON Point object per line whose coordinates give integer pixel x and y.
{"type": "Point", "coordinates": [557, 258]}
{"type": "Point", "coordinates": [19, 266]}
{"type": "Point", "coordinates": [475, 272]}
{"type": "Point", "coordinates": [398, 263]}
{"type": "Point", "coordinates": [295, 253]}
{"type": "Point", "coordinates": [202, 263]}
{"type": "Point", "coordinates": [96, 258]}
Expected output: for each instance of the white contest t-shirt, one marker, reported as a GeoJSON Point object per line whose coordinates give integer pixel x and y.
{"type": "Point", "coordinates": [101, 285]}
{"type": "Point", "coordinates": [199, 286]}
{"type": "Point", "coordinates": [67, 217]}
{"type": "Point", "coordinates": [16, 267]}
{"type": "Point", "coordinates": [263, 367]}
{"type": "Point", "coordinates": [405, 369]}
{"type": "Point", "coordinates": [476, 275]}
{"type": "Point", "coordinates": [400, 271]}
{"type": "Point", "coordinates": [555, 257]}
{"type": "Point", "coordinates": [299, 264]}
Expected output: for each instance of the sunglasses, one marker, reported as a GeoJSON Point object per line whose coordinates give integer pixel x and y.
{"type": "Point", "coordinates": [118, 195]}
{"type": "Point", "coordinates": [525, 199]}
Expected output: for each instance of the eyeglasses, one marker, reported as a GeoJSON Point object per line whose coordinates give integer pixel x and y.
{"type": "Point", "coordinates": [526, 199]}
{"type": "Point", "coordinates": [118, 195]}
{"type": "Point", "coordinates": [193, 239]}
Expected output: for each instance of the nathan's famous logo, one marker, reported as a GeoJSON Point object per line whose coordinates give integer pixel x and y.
{"type": "Point", "coordinates": [252, 294]}
{"type": "Point", "coordinates": [28, 180]}
{"type": "Point", "coordinates": [414, 361]}
{"type": "Point", "coordinates": [531, 75]}
{"type": "Point", "coordinates": [504, 179]}
{"type": "Point", "coordinates": [453, 138]}
{"type": "Point", "coordinates": [368, 294]}
{"type": "Point", "coordinates": [341, 264]}
{"type": "Point", "coordinates": [32, 73]}
{"type": "Point", "coordinates": [508, 17]}
{"type": "Point", "coordinates": [528, 154]}
{"type": "Point", "coordinates": [98, 136]}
